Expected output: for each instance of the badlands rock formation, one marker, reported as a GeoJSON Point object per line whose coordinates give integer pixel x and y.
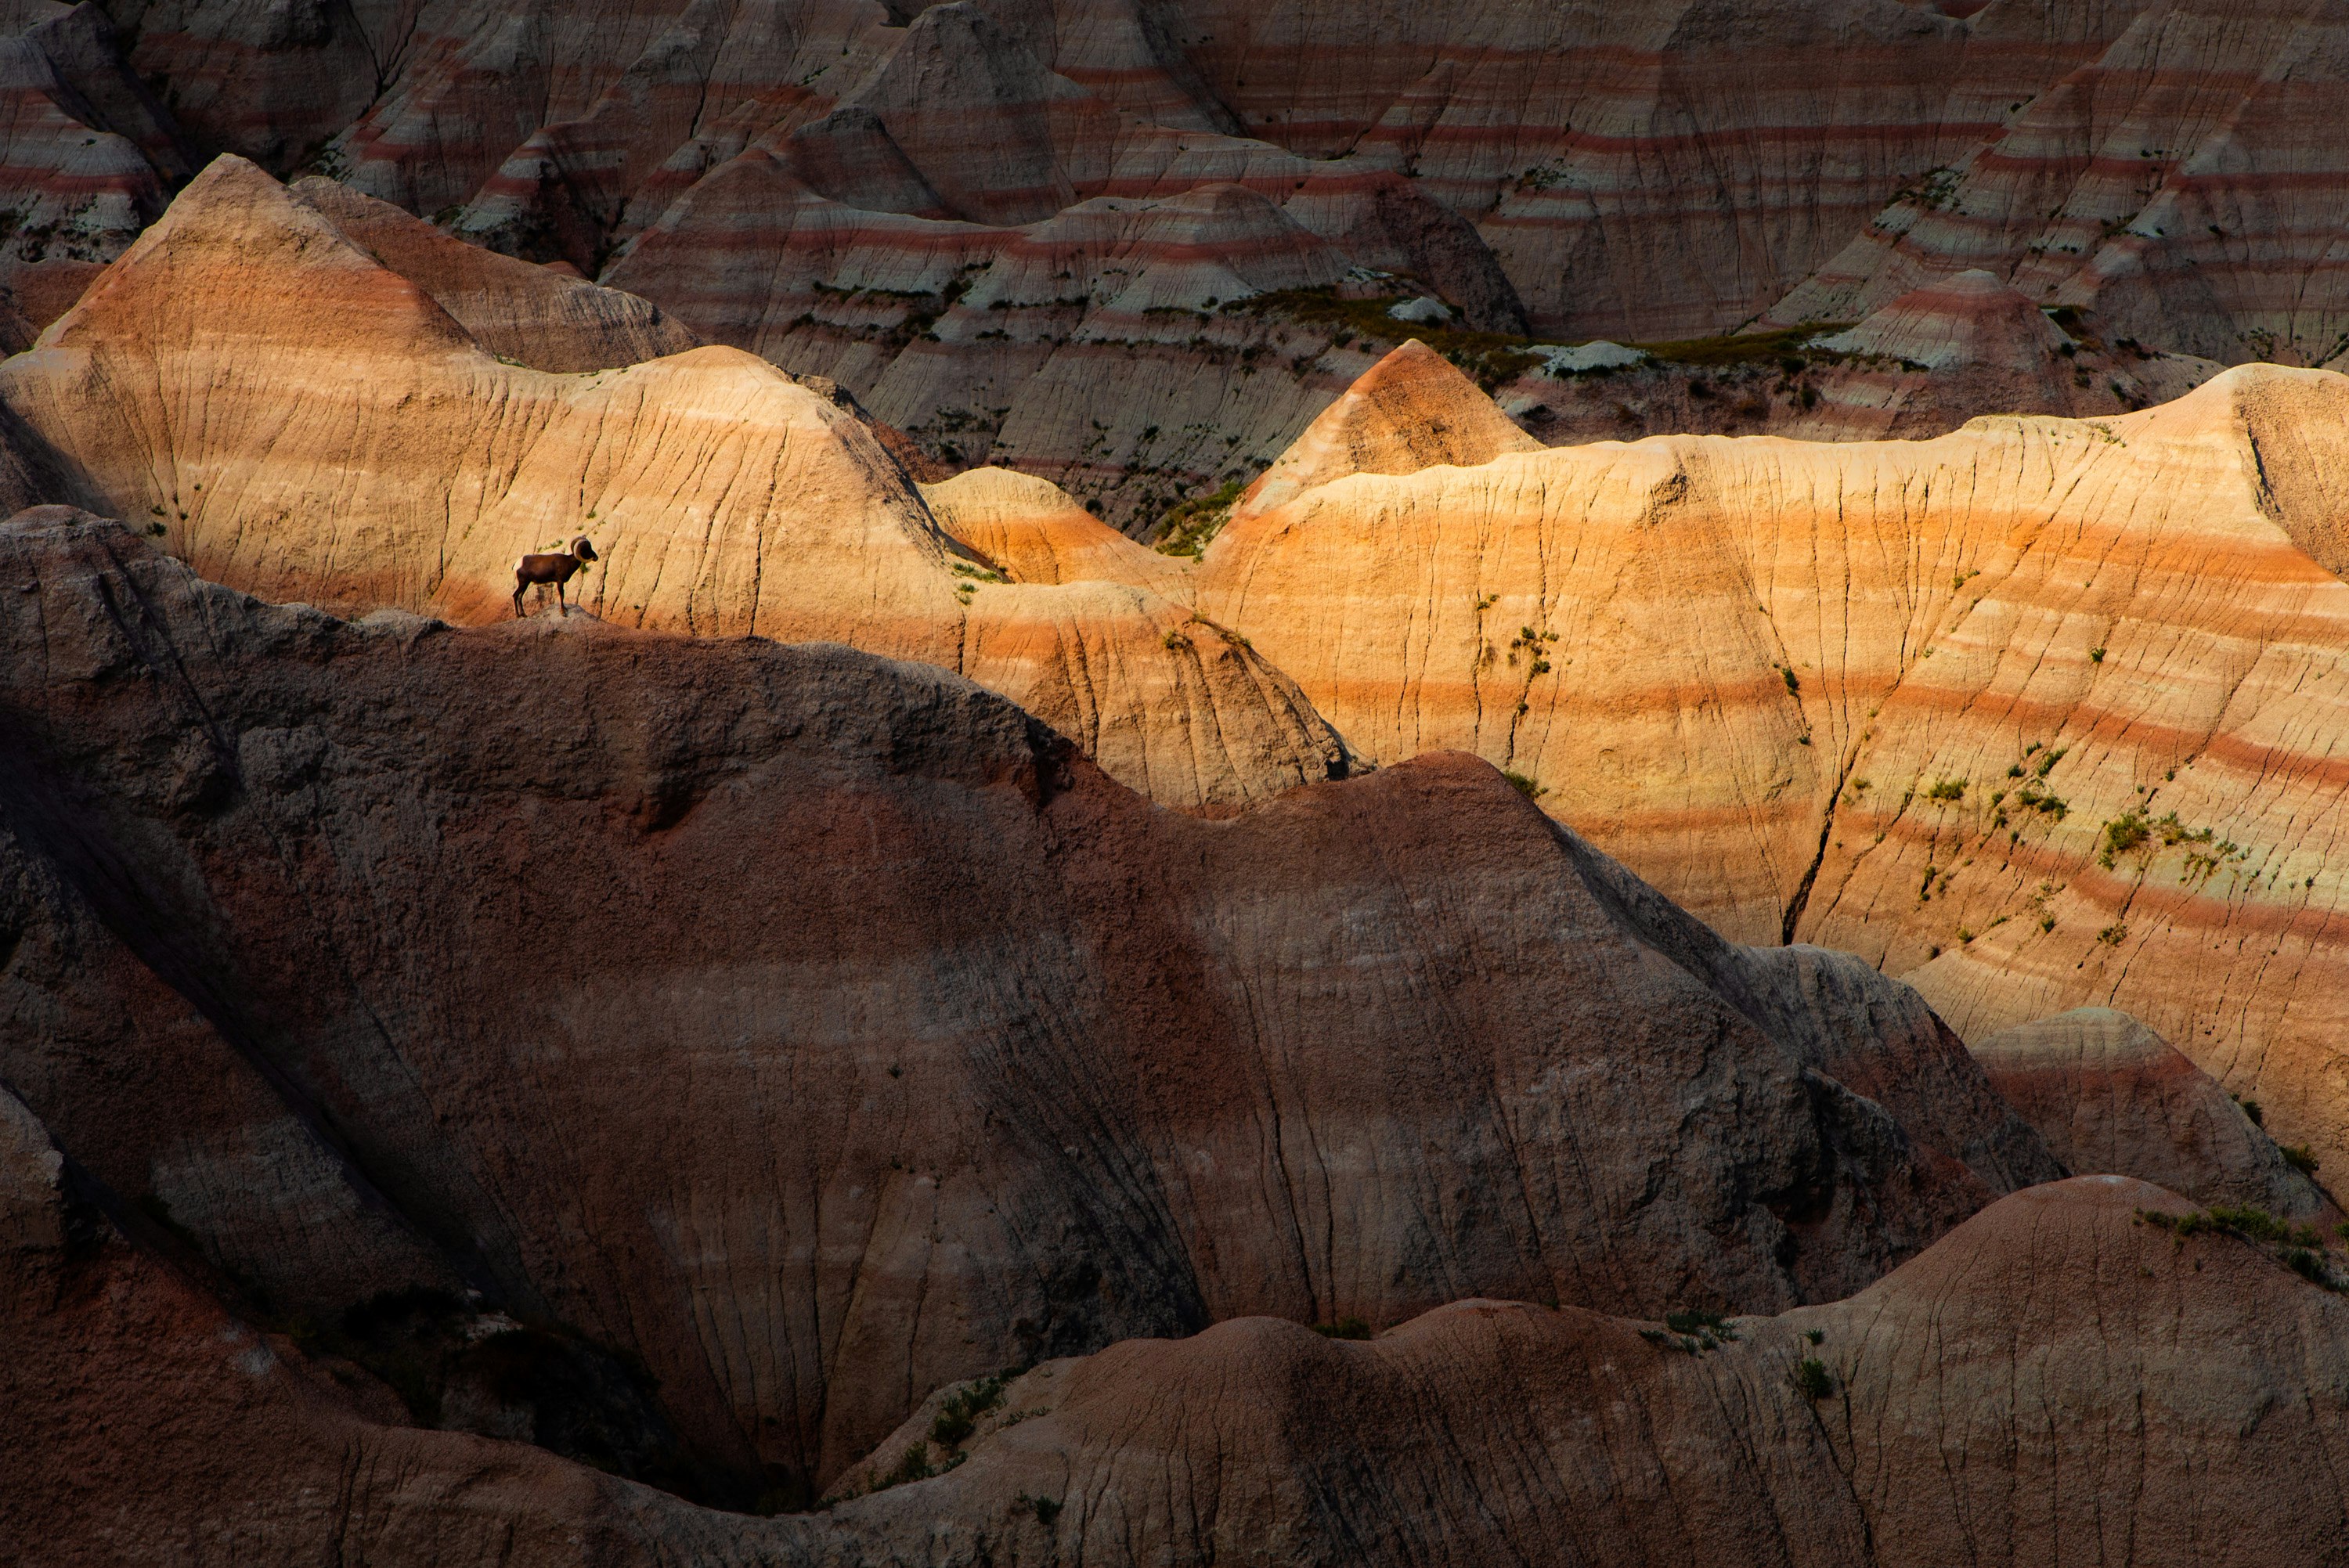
{"type": "Point", "coordinates": [2103, 1363]}
{"type": "Point", "coordinates": [825, 182]}
{"type": "Point", "coordinates": [2181, 186]}
{"type": "Point", "coordinates": [818, 1030]}
{"type": "Point", "coordinates": [2057, 1327]}
{"type": "Point", "coordinates": [87, 158]}
{"type": "Point", "coordinates": [1032, 530]}
{"type": "Point", "coordinates": [2041, 713]}
{"type": "Point", "coordinates": [1408, 412]}
{"type": "Point", "coordinates": [518, 311]}
{"type": "Point", "coordinates": [2110, 1095]}
{"type": "Point", "coordinates": [294, 417]}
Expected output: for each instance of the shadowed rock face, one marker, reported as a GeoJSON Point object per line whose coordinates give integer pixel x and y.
{"type": "Point", "coordinates": [87, 158]}
{"type": "Point", "coordinates": [2105, 1366]}
{"type": "Point", "coordinates": [820, 1030]}
{"type": "Point", "coordinates": [2108, 1362]}
{"type": "Point", "coordinates": [2110, 1095]}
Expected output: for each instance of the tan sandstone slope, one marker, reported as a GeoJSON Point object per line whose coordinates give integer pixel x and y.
{"type": "Point", "coordinates": [2040, 713]}
{"type": "Point", "coordinates": [1032, 530]}
{"type": "Point", "coordinates": [295, 419]}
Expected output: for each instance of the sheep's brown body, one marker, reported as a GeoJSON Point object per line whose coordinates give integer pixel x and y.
{"type": "Point", "coordinates": [555, 569]}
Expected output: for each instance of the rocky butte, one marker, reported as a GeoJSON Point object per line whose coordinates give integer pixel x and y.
{"type": "Point", "coordinates": [1494, 784]}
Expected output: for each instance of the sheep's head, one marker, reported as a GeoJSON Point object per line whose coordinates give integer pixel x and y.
{"type": "Point", "coordinates": [582, 549]}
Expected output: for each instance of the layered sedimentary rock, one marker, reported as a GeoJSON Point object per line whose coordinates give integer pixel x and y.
{"type": "Point", "coordinates": [1410, 411]}
{"type": "Point", "coordinates": [2040, 713]}
{"type": "Point", "coordinates": [2183, 186]}
{"type": "Point", "coordinates": [89, 158]}
{"type": "Point", "coordinates": [819, 1029]}
{"type": "Point", "coordinates": [297, 418]}
{"type": "Point", "coordinates": [2103, 1363]}
{"type": "Point", "coordinates": [2110, 1362]}
{"type": "Point", "coordinates": [1032, 530]}
{"type": "Point", "coordinates": [826, 183]}
{"type": "Point", "coordinates": [517, 311]}
{"type": "Point", "coordinates": [2110, 1095]}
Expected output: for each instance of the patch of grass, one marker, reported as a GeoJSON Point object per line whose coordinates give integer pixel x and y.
{"type": "Point", "coordinates": [1816, 1336]}
{"type": "Point", "coordinates": [1812, 1379]}
{"type": "Point", "coordinates": [2122, 834]}
{"type": "Point", "coordinates": [913, 1465]}
{"type": "Point", "coordinates": [1947, 789]}
{"type": "Point", "coordinates": [958, 1417]}
{"type": "Point", "coordinates": [1190, 526]}
{"type": "Point", "coordinates": [2300, 1157]}
{"type": "Point", "coordinates": [1699, 1323]}
{"type": "Point", "coordinates": [2250, 1109]}
{"type": "Point", "coordinates": [1524, 785]}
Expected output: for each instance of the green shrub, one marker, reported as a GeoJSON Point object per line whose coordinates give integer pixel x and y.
{"type": "Point", "coordinates": [1710, 1323]}
{"type": "Point", "coordinates": [914, 1465]}
{"type": "Point", "coordinates": [1190, 526]}
{"type": "Point", "coordinates": [2124, 833]}
{"type": "Point", "coordinates": [1816, 1336]}
{"type": "Point", "coordinates": [1812, 1380]}
{"type": "Point", "coordinates": [960, 1415]}
{"type": "Point", "coordinates": [2300, 1157]}
{"type": "Point", "coordinates": [1947, 789]}
{"type": "Point", "coordinates": [1524, 785]}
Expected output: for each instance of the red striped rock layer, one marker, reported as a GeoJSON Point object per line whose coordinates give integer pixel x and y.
{"type": "Point", "coordinates": [2185, 186]}
{"type": "Point", "coordinates": [1891, 697]}
{"type": "Point", "coordinates": [1087, 349]}
{"type": "Point", "coordinates": [300, 420]}
{"type": "Point", "coordinates": [820, 1030]}
{"type": "Point", "coordinates": [1572, 138]}
{"type": "Point", "coordinates": [87, 157]}
{"type": "Point", "coordinates": [1645, 171]}
{"type": "Point", "coordinates": [1920, 366]}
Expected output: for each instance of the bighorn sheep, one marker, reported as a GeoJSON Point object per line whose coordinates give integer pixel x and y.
{"type": "Point", "coordinates": [555, 569]}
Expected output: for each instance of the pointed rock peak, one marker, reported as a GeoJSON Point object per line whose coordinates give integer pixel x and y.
{"type": "Point", "coordinates": [546, 316]}
{"type": "Point", "coordinates": [236, 257]}
{"type": "Point", "coordinates": [1411, 410]}
{"type": "Point", "coordinates": [1971, 318]}
{"type": "Point", "coordinates": [1032, 530]}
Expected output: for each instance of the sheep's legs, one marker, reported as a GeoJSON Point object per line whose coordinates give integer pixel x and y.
{"type": "Point", "coordinates": [518, 593]}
